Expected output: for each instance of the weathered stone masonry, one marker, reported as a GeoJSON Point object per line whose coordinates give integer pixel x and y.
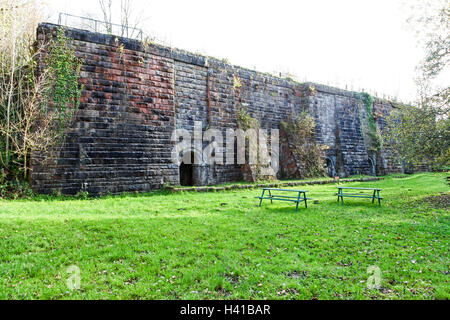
{"type": "Point", "coordinates": [135, 96]}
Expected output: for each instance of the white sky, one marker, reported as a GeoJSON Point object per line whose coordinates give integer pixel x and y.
{"type": "Point", "coordinates": [363, 44]}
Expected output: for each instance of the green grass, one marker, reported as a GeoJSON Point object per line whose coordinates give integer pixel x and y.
{"type": "Point", "coordinates": [222, 246]}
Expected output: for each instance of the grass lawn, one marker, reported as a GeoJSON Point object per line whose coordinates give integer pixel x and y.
{"type": "Point", "coordinates": [222, 246]}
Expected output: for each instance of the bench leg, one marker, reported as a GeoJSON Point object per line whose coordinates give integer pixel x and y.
{"type": "Point", "coordinates": [298, 201]}
{"type": "Point", "coordinates": [270, 194]}
{"type": "Point", "coordinates": [262, 196]}
{"type": "Point", "coordinates": [379, 199]}
{"type": "Point", "coordinates": [342, 197]}
{"type": "Point", "coordinates": [373, 197]}
{"type": "Point", "coordinates": [306, 203]}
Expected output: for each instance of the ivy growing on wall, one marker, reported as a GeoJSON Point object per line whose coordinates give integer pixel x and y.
{"type": "Point", "coordinates": [371, 135]}
{"type": "Point", "coordinates": [63, 71]}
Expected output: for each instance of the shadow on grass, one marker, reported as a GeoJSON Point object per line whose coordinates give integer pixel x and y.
{"type": "Point", "coordinates": [359, 204]}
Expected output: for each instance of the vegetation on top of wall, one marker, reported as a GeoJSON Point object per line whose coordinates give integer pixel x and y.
{"type": "Point", "coordinates": [121, 49]}
{"type": "Point", "coordinates": [301, 132]}
{"type": "Point", "coordinates": [371, 134]}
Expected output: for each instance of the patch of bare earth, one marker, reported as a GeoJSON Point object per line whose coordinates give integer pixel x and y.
{"type": "Point", "coordinates": [441, 201]}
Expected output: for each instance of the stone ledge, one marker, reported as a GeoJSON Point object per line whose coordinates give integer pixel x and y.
{"type": "Point", "coordinates": [271, 185]}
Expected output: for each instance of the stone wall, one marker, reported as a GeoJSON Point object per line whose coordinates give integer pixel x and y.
{"type": "Point", "coordinates": [135, 96]}
{"type": "Point", "coordinates": [121, 138]}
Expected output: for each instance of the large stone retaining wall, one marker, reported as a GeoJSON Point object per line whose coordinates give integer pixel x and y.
{"type": "Point", "coordinates": [135, 96]}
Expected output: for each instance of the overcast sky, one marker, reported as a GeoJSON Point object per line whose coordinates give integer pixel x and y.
{"type": "Point", "coordinates": [364, 44]}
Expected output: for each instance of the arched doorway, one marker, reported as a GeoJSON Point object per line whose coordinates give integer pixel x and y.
{"type": "Point", "coordinates": [186, 171]}
{"type": "Point", "coordinates": [193, 171]}
{"type": "Point", "coordinates": [372, 167]}
{"type": "Point", "coordinates": [331, 170]}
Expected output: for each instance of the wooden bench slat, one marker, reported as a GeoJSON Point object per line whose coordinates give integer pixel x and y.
{"type": "Point", "coordinates": [375, 196]}
{"type": "Point", "coordinates": [355, 194]}
{"type": "Point", "coordinates": [352, 188]}
{"type": "Point", "coordinates": [283, 199]}
{"type": "Point", "coordinates": [280, 196]}
{"type": "Point", "coordinates": [287, 199]}
{"type": "Point", "coordinates": [365, 197]}
{"type": "Point", "coordinates": [287, 190]}
{"type": "Point", "coordinates": [301, 196]}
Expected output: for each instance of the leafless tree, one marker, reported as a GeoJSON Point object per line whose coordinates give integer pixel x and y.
{"type": "Point", "coordinates": [422, 135]}
{"type": "Point", "coordinates": [106, 7]}
{"type": "Point", "coordinates": [430, 19]}
{"type": "Point", "coordinates": [130, 19]}
{"type": "Point", "coordinates": [18, 22]}
{"type": "Point", "coordinates": [29, 122]}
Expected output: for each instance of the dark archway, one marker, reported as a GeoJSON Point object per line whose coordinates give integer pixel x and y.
{"type": "Point", "coordinates": [186, 172]}
{"type": "Point", "coordinates": [331, 170]}
{"type": "Point", "coordinates": [372, 167]}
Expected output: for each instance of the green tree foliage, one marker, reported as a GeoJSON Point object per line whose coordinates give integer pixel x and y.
{"type": "Point", "coordinates": [418, 136]}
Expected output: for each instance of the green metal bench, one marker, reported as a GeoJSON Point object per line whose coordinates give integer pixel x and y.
{"type": "Point", "coordinates": [300, 197]}
{"type": "Point", "coordinates": [375, 195]}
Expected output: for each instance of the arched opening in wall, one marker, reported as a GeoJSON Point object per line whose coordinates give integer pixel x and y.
{"type": "Point", "coordinates": [186, 172]}
{"type": "Point", "coordinates": [372, 167]}
{"type": "Point", "coordinates": [331, 170]}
